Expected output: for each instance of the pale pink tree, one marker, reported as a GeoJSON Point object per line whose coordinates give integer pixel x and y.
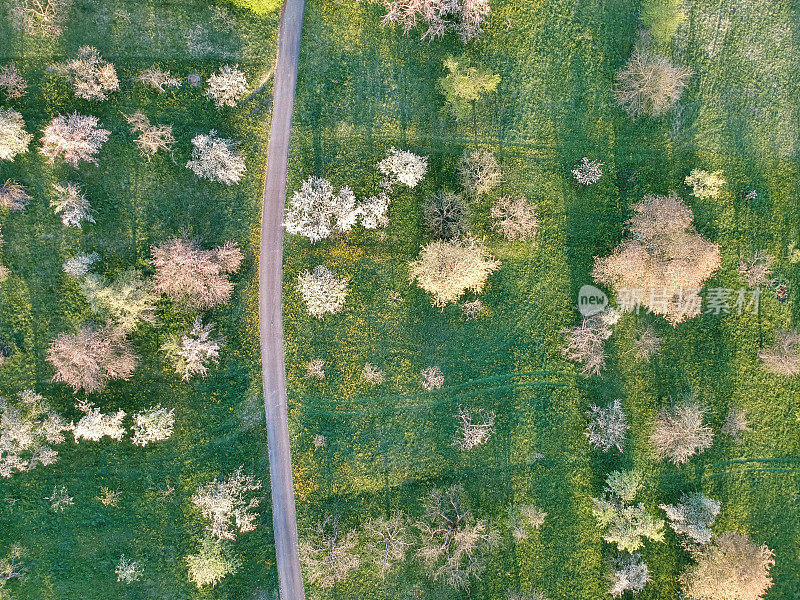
{"type": "Point", "coordinates": [73, 138]}
{"type": "Point", "coordinates": [14, 139]}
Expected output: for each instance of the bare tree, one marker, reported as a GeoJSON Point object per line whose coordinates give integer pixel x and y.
{"type": "Point", "coordinates": [447, 269]}
{"type": "Point", "coordinates": [193, 277]}
{"type": "Point", "coordinates": [705, 184]}
{"type": "Point", "coordinates": [649, 84]}
{"type": "Point", "coordinates": [464, 17]}
{"type": "Point", "coordinates": [227, 87]}
{"type": "Point", "coordinates": [372, 374]}
{"type": "Point", "coordinates": [315, 369]}
{"type": "Point", "coordinates": [327, 554]}
{"type": "Point", "coordinates": [91, 357]}
{"type": "Point", "coordinates": [472, 310]}
{"type": "Point", "coordinates": [12, 81]}
{"type": "Point", "coordinates": [731, 567]}
{"type": "Point", "coordinates": [432, 378]}
{"type": "Point", "coordinates": [588, 172]}
{"type": "Point", "coordinates": [14, 139]}
{"type": "Point", "coordinates": [693, 516]}
{"type": "Point", "coordinates": [784, 357]}
{"type": "Point", "coordinates": [478, 172]}
{"type": "Point", "coordinates": [679, 432]}
{"type": "Point", "coordinates": [475, 428]}
{"type": "Point", "coordinates": [216, 159]}
{"type": "Point", "coordinates": [194, 351]}
{"type": "Point", "coordinates": [322, 291]}
{"type": "Point", "coordinates": [757, 270]}
{"type": "Point", "coordinates": [74, 138]}
{"type": "Point", "coordinates": [389, 541]}
{"type": "Point", "coordinates": [71, 204]}
{"type": "Point", "coordinates": [41, 17]}
{"type": "Point", "coordinates": [735, 423]}
{"type": "Point", "coordinates": [224, 503]}
{"type": "Point", "coordinates": [523, 519]}
{"type": "Point", "coordinates": [13, 196]}
{"type": "Point", "coordinates": [158, 79]}
{"type": "Point", "coordinates": [586, 342]}
{"type": "Point", "coordinates": [92, 77]}
{"type": "Point", "coordinates": [608, 426]}
{"type": "Point", "coordinates": [647, 343]}
{"type": "Point", "coordinates": [453, 541]}
{"type": "Point", "coordinates": [515, 218]}
{"type": "Point", "coordinates": [445, 215]}
{"type": "Point", "coordinates": [152, 138]}
{"type": "Point", "coordinates": [629, 573]}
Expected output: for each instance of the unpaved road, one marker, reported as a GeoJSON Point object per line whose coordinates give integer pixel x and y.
{"type": "Point", "coordinates": [269, 299]}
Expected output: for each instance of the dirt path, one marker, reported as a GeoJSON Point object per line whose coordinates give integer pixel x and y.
{"type": "Point", "coordinates": [269, 299]}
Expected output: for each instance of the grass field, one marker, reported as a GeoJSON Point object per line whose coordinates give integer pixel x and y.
{"type": "Point", "coordinates": [361, 89]}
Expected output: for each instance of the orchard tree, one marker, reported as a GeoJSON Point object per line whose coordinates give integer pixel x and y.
{"type": "Point", "coordinates": [515, 218]}
{"type": "Point", "coordinates": [14, 139]}
{"type": "Point", "coordinates": [227, 87]}
{"type": "Point", "coordinates": [372, 374]}
{"type": "Point", "coordinates": [478, 172]}
{"type": "Point", "coordinates": [705, 184]}
{"type": "Point", "coordinates": [127, 571]}
{"type": "Point", "coordinates": [373, 211]}
{"type": "Point", "coordinates": [464, 85]}
{"type": "Point", "coordinates": [588, 172]}
{"type": "Point", "coordinates": [194, 278]}
{"type": "Point", "coordinates": [211, 564]}
{"type": "Point", "coordinates": [646, 343]}
{"type": "Point", "coordinates": [608, 426]}
{"type": "Point", "coordinates": [13, 196]}
{"type": "Point", "coordinates": [94, 425]}
{"type": "Point", "coordinates": [92, 77]}
{"type": "Point", "coordinates": [154, 424]}
{"type": "Point", "coordinates": [388, 541]}
{"type": "Point", "coordinates": [322, 291]}
{"type": "Point", "coordinates": [90, 358]}
{"type": "Point", "coordinates": [12, 81]}
{"type": "Point", "coordinates": [586, 342]}
{"type": "Point", "coordinates": [464, 17]}
{"type": "Point", "coordinates": [475, 427]}
{"type": "Point", "coordinates": [523, 519]}
{"type": "Point", "coordinates": [77, 266]}
{"type": "Point", "coordinates": [158, 79]}
{"type": "Point", "coordinates": [453, 542]}
{"type": "Point", "coordinates": [447, 269]}
{"type": "Point", "coordinates": [665, 257]}
{"type": "Point", "coordinates": [327, 554]}
{"type": "Point", "coordinates": [11, 567]}
{"type": "Point", "coordinates": [70, 203]}
{"type": "Point", "coordinates": [445, 215]}
{"type": "Point", "coordinates": [629, 573]}
{"type": "Point", "coordinates": [735, 423]}
{"type": "Point", "coordinates": [74, 138]}
{"type": "Point", "coordinates": [216, 159]}
{"type": "Point", "coordinates": [315, 369]}
{"type": "Point", "coordinates": [224, 503]}
{"type": "Point", "coordinates": [693, 516]}
{"type": "Point", "coordinates": [679, 432]}
{"type": "Point", "coordinates": [784, 357]}
{"type": "Point", "coordinates": [403, 167]}
{"type": "Point", "coordinates": [757, 270]}
{"type": "Point", "coordinates": [315, 212]}
{"type": "Point", "coordinates": [40, 17]}
{"type": "Point", "coordinates": [649, 84]}
{"type": "Point", "coordinates": [195, 350]}
{"type": "Point", "coordinates": [731, 567]}
{"type": "Point", "coordinates": [432, 378]}
{"type": "Point", "coordinates": [152, 138]}
{"type": "Point", "coordinates": [126, 301]}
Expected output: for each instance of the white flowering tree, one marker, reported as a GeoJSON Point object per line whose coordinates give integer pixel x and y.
{"type": "Point", "coordinates": [14, 139]}
{"type": "Point", "coordinates": [322, 291]}
{"type": "Point", "coordinates": [608, 426]}
{"type": "Point", "coordinates": [629, 573]}
{"type": "Point", "coordinates": [127, 571]}
{"type": "Point", "coordinates": [224, 503]}
{"type": "Point", "coordinates": [588, 172]}
{"type": "Point", "coordinates": [77, 266]}
{"type": "Point", "coordinates": [216, 159]}
{"type": "Point", "coordinates": [373, 211]}
{"type": "Point", "coordinates": [73, 138]}
{"type": "Point", "coordinates": [228, 86]}
{"type": "Point", "coordinates": [432, 378]}
{"type": "Point", "coordinates": [28, 430]}
{"type": "Point", "coordinates": [679, 431]}
{"type": "Point", "coordinates": [693, 516]}
{"type": "Point", "coordinates": [70, 204]}
{"type": "Point", "coordinates": [13, 196]}
{"type": "Point", "coordinates": [403, 167]}
{"type": "Point", "coordinates": [95, 425]}
{"type": "Point", "coordinates": [154, 424]}
{"type": "Point", "coordinates": [195, 350]}
{"type": "Point", "coordinates": [92, 77]}
{"type": "Point", "coordinates": [315, 212]}
{"type": "Point", "coordinates": [464, 17]}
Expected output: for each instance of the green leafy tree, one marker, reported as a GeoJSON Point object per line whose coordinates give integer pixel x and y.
{"type": "Point", "coordinates": [464, 85]}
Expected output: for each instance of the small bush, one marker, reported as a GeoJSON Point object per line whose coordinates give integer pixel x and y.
{"type": "Point", "coordinates": [662, 18]}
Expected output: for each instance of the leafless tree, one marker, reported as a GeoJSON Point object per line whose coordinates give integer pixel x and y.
{"type": "Point", "coordinates": [13, 196]}
{"type": "Point", "coordinates": [445, 215]}
{"type": "Point", "coordinates": [14, 139]}
{"type": "Point", "coordinates": [12, 81]}
{"type": "Point", "coordinates": [784, 357]}
{"type": "Point", "coordinates": [479, 172]}
{"type": "Point", "coordinates": [315, 369]}
{"type": "Point", "coordinates": [608, 426]}
{"type": "Point", "coordinates": [453, 540]}
{"type": "Point", "coordinates": [649, 84]}
{"type": "Point", "coordinates": [756, 271]}
{"type": "Point", "coordinates": [89, 358]}
{"type": "Point", "coordinates": [475, 428]}
{"type": "Point", "coordinates": [216, 159]}
{"type": "Point", "coordinates": [224, 503]}
{"type": "Point", "coordinates": [158, 79]}
{"type": "Point", "coordinates": [327, 554]}
{"type": "Point", "coordinates": [42, 17]}
{"type": "Point", "coordinates": [228, 86]}
{"type": "Point", "coordinates": [152, 138]}
{"type": "Point", "coordinates": [92, 77]}
{"type": "Point", "coordinates": [193, 277]}
{"type": "Point", "coordinates": [74, 138]}
{"type": "Point", "coordinates": [389, 541]}
{"type": "Point", "coordinates": [647, 343]}
{"type": "Point", "coordinates": [586, 342]}
{"type": "Point", "coordinates": [679, 432]}
{"type": "Point", "coordinates": [464, 17]}
{"type": "Point", "coordinates": [372, 374]}
{"type": "Point", "coordinates": [432, 378]}
{"type": "Point", "coordinates": [472, 310]}
{"type": "Point", "coordinates": [525, 518]}
{"type": "Point", "coordinates": [735, 423]}
{"type": "Point", "coordinates": [588, 172]}
{"type": "Point", "coordinates": [515, 218]}
{"type": "Point", "coordinates": [731, 567]}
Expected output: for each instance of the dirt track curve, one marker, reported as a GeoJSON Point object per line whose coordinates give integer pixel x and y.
{"type": "Point", "coordinates": [270, 314]}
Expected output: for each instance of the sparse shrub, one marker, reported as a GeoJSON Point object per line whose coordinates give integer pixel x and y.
{"type": "Point", "coordinates": [152, 138]}
{"type": "Point", "coordinates": [94, 425]}
{"type": "Point", "coordinates": [662, 19]}
{"type": "Point", "coordinates": [402, 166]}
{"type": "Point", "coordinates": [757, 270]}
{"type": "Point", "coordinates": [784, 357]}
{"type": "Point", "coordinates": [88, 359]}
{"type": "Point", "coordinates": [649, 84]}
{"type": "Point", "coordinates": [389, 541]}
{"type": "Point", "coordinates": [12, 82]}
{"type": "Point", "coordinates": [464, 17]}
{"type": "Point", "coordinates": [464, 85]}
{"type": "Point", "coordinates": [525, 518]}
{"type": "Point", "coordinates": [71, 204]}
{"type": "Point", "coordinates": [227, 87]}
{"type": "Point", "coordinates": [193, 277]}
{"type": "Point", "coordinates": [588, 172]}
{"type": "Point", "coordinates": [472, 310]}
{"type": "Point", "coordinates": [216, 159]}
{"type": "Point", "coordinates": [432, 378]}
{"type": "Point", "coordinates": [74, 138]}
{"type": "Point", "coordinates": [515, 218]}
{"type": "Point", "coordinates": [735, 423]}
{"type": "Point", "coordinates": [447, 269]}
{"type": "Point", "coordinates": [327, 554]}
{"type": "Point", "coordinates": [154, 424]}
{"type": "Point", "coordinates": [11, 567]}
{"type": "Point", "coordinates": [211, 564]}
{"type": "Point", "coordinates": [693, 516]}
{"type": "Point", "coordinates": [40, 17]}
{"type": "Point", "coordinates": [372, 374]}
{"type": "Point", "coordinates": [224, 503]}
{"type": "Point", "coordinates": [127, 571]}
{"type": "Point", "coordinates": [705, 184]}
{"type": "Point", "coordinates": [13, 196]}
{"type": "Point", "coordinates": [127, 300]}
{"type": "Point", "coordinates": [194, 351]}
{"type": "Point", "coordinates": [629, 573]}
{"type": "Point", "coordinates": [92, 77]}
{"type": "Point", "coordinates": [316, 213]}
{"type": "Point", "coordinates": [608, 426]}
{"type": "Point", "coordinates": [315, 369]}
{"type": "Point", "coordinates": [445, 215]}
{"type": "Point", "coordinates": [60, 499]}
{"type": "Point", "coordinates": [158, 79]}
{"type": "Point", "coordinates": [478, 172]}
{"type": "Point", "coordinates": [731, 567]}
{"type": "Point", "coordinates": [14, 139]}
{"type": "Point", "coordinates": [322, 291]}
{"type": "Point", "coordinates": [679, 432]}
{"type": "Point", "coordinates": [474, 429]}
{"type": "Point", "coordinates": [647, 343]}
{"type": "Point", "coordinates": [665, 257]}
